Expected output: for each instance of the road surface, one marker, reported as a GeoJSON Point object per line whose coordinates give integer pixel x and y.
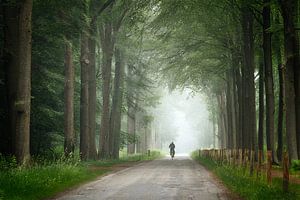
{"type": "Point", "coordinates": [164, 179]}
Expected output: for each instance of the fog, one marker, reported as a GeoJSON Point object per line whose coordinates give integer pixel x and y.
{"type": "Point", "coordinates": [182, 117]}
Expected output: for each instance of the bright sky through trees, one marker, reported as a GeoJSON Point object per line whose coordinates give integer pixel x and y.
{"type": "Point", "coordinates": [184, 119]}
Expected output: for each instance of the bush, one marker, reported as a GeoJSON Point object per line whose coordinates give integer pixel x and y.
{"type": "Point", "coordinates": [295, 165]}
{"type": "Point", "coordinates": [7, 162]}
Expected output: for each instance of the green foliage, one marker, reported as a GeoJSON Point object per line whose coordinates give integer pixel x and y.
{"type": "Point", "coordinates": [48, 178]}
{"type": "Point", "coordinates": [127, 138]}
{"type": "Point", "coordinates": [39, 182]}
{"type": "Point", "coordinates": [295, 165]}
{"type": "Point", "coordinates": [7, 162]}
{"type": "Point", "coordinates": [53, 23]}
{"type": "Point", "coordinates": [246, 186]}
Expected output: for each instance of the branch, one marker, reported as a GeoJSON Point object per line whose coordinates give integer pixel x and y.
{"type": "Point", "coordinates": [100, 10]}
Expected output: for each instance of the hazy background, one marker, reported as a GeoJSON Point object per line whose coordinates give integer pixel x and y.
{"type": "Point", "coordinates": [182, 117]}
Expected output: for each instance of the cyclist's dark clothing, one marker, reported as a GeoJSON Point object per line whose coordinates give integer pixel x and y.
{"type": "Point", "coordinates": [172, 147]}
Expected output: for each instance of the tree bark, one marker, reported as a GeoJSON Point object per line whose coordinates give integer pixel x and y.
{"type": "Point", "coordinates": [69, 143]}
{"type": "Point", "coordinates": [281, 111]}
{"type": "Point", "coordinates": [229, 110]}
{"type": "Point", "coordinates": [269, 85]}
{"type": "Point", "coordinates": [23, 95]}
{"type": "Point", "coordinates": [261, 119]}
{"type": "Point", "coordinates": [107, 46]}
{"type": "Point", "coordinates": [117, 102]}
{"type": "Point", "coordinates": [250, 110]}
{"type": "Point", "coordinates": [291, 67]}
{"type": "Point", "coordinates": [131, 119]}
{"type": "Point", "coordinates": [240, 108]}
{"type": "Point", "coordinates": [92, 93]}
{"type": "Point", "coordinates": [84, 98]}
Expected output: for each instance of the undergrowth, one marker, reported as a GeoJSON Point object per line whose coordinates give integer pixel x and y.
{"type": "Point", "coordinates": [44, 179]}
{"type": "Point", "coordinates": [249, 187]}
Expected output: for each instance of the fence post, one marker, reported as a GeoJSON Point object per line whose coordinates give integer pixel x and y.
{"type": "Point", "coordinates": [240, 157]}
{"type": "Point", "coordinates": [269, 167]}
{"type": "Point", "coordinates": [252, 160]}
{"type": "Point", "coordinates": [286, 175]}
{"type": "Point", "coordinates": [258, 174]}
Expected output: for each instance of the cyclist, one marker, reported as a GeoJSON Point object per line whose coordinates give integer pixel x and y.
{"type": "Point", "coordinates": [172, 149]}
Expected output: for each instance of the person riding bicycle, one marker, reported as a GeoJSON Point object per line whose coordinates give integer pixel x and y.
{"type": "Point", "coordinates": [172, 149]}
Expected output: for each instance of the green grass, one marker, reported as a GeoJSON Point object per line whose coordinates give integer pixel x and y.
{"type": "Point", "coordinates": [248, 187]}
{"type": "Point", "coordinates": [45, 180]}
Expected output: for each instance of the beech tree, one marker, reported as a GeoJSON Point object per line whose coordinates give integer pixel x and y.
{"type": "Point", "coordinates": [17, 46]}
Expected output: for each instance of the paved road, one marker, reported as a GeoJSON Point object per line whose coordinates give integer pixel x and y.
{"type": "Point", "coordinates": [164, 179]}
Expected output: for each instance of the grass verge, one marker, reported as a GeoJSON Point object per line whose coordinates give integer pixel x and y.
{"type": "Point", "coordinates": [46, 180]}
{"type": "Point", "coordinates": [247, 187]}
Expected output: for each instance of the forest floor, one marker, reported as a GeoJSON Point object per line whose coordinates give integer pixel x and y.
{"type": "Point", "coordinates": [181, 178]}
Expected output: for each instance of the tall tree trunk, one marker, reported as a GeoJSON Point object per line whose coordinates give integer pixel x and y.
{"type": "Point", "coordinates": [92, 93]}
{"type": "Point", "coordinates": [17, 45]}
{"type": "Point", "coordinates": [291, 65]}
{"type": "Point", "coordinates": [295, 35]}
{"type": "Point", "coordinates": [229, 111]}
{"type": "Point", "coordinates": [23, 95]}
{"type": "Point", "coordinates": [234, 107]}
{"type": "Point", "coordinates": [131, 119]}
{"type": "Point", "coordinates": [281, 111]}
{"type": "Point", "coordinates": [131, 130]}
{"type": "Point", "coordinates": [240, 108]}
{"type": "Point", "coordinates": [261, 119]}
{"type": "Point", "coordinates": [84, 98]}
{"type": "Point", "coordinates": [117, 102]}
{"type": "Point", "coordinates": [69, 144]}
{"type": "Point", "coordinates": [250, 110]}
{"type": "Point", "coordinates": [269, 85]}
{"type": "Point", "coordinates": [214, 130]}
{"type": "Point", "coordinates": [107, 46]}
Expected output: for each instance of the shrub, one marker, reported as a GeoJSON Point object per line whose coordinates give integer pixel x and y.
{"type": "Point", "coordinates": [7, 162]}
{"type": "Point", "coordinates": [295, 165]}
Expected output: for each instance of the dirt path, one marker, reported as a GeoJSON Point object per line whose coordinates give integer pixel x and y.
{"type": "Point", "coordinates": [179, 179]}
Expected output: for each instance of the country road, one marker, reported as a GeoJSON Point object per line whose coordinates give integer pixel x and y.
{"type": "Point", "coordinates": [164, 179]}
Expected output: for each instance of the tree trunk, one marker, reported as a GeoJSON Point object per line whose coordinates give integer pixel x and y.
{"type": "Point", "coordinates": [92, 93]}
{"type": "Point", "coordinates": [23, 95]}
{"type": "Point", "coordinates": [117, 102]}
{"type": "Point", "coordinates": [240, 108]}
{"type": "Point", "coordinates": [234, 107]}
{"type": "Point", "coordinates": [281, 93]}
{"type": "Point", "coordinates": [130, 129]}
{"type": "Point", "coordinates": [17, 45]}
{"type": "Point", "coordinates": [84, 98]}
{"type": "Point", "coordinates": [261, 119]}
{"type": "Point", "coordinates": [297, 75]}
{"type": "Point", "coordinates": [291, 64]}
{"type": "Point", "coordinates": [250, 110]}
{"type": "Point", "coordinates": [269, 85]}
{"type": "Point", "coordinates": [229, 111]}
{"type": "Point", "coordinates": [69, 144]}
{"type": "Point", "coordinates": [107, 46]}
{"type": "Point", "coordinates": [131, 121]}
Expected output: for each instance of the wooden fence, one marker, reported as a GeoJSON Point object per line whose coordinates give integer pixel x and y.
{"type": "Point", "coordinates": [251, 160]}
